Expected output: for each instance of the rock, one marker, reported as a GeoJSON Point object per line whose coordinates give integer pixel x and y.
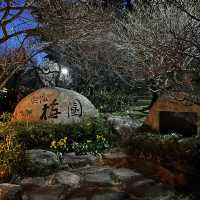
{"type": "Point", "coordinates": [36, 181]}
{"type": "Point", "coordinates": [168, 177]}
{"type": "Point", "coordinates": [118, 121]}
{"type": "Point", "coordinates": [142, 185]}
{"type": "Point", "coordinates": [43, 193]}
{"type": "Point", "coordinates": [150, 189]}
{"type": "Point", "coordinates": [100, 177]}
{"type": "Point", "coordinates": [158, 191]}
{"type": "Point", "coordinates": [169, 196]}
{"type": "Point", "coordinates": [73, 160]}
{"type": "Point", "coordinates": [124, 126]}
{"type": "Point", "coordinates": [41, 162]}
{"type": "Point", "coordinates": [54, 105]}
{"type": "Point", "coordinates": [111, 196]}
{"type": "Point", "coordinates": [124, 174]}
{"type": "Point", "coordinates": [64, 178]}
{"type": "Point", "coordinates": [91, 169]}
{"type": "Point", "coordinates": [111, 176]}
{"type": "Point", "coordinates": [114, 155]}
{"type": "Point", "coordinates": [10, 192]}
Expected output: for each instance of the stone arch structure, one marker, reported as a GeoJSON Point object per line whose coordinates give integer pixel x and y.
{"type": "Point", "coordinates": [180, 113]}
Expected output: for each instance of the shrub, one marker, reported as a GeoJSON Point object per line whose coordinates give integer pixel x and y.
{"type": "Point", "coordinates": [11, 152]}
{"type": "Point", "coordinates": [111, 101]}
{"type": "Point", "coordinates": [64, 138]}
{"type": "Point", "coordinates": [95, 146]}
{"type": "Point", "coordinates": [92, 136]}
{"type": "Point", "coordinates": [5, 117]}
{"type": "Point", "coordinates": [166, 147]}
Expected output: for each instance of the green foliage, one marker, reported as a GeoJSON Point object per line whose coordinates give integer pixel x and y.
{"type": "Point", "coordinates": [166, 147]}
{"type": "Point", "coordinates": [11, 151]}
{"type": "Point", "coordinates": [5, 117]}
{"type": "Point", "coordinates": [88, 136]}
{"type": "Point", "coordinates": [93, 146]}
{"type": "Point", "coordinates": [61, 145]}
{"type": "Point", "coordinates": [111, 101]}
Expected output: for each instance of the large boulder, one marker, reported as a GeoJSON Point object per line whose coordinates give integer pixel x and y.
{"type": "Point", "coordinates": [73, 160]}
{"type": "Point", "coordinates": [41, 162]}
{"type": "Point", "coordinates": [54, 105]}
{"type": "Point", "coordinates": [123, 125]}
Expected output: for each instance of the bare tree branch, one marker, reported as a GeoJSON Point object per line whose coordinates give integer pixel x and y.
{"type": "Point", "coordinates": [166, 41]}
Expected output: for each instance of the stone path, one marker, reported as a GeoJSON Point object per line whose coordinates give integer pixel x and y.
{"type": "Point", "coordinates": [83, 178]}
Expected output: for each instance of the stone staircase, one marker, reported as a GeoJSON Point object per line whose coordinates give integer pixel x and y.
{"type": "Point", "coordinates": [87, 178]}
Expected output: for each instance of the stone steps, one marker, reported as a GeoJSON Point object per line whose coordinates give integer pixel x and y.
{"type": "Point", "coordinates": [85, 179]}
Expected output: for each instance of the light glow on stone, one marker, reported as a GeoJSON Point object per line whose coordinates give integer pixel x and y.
{"type": "Point", "coordinates": [64, 71]}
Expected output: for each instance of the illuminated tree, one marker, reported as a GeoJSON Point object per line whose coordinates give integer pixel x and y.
{"type": "Point", "coordinates": [165, 38]}
{"type": "Point", "coordinates": [53, 21]}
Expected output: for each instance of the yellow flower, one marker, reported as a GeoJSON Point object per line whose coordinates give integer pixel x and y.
{"type": "Point", "coordinates": [88, 123]}
{"type": "Point", "coordinates": [100, 137]}
{"type": "Point", "coordinates": [65, 139]}
{"type": "Point", "coordinates": [53, 144]}
{"type": "Point", "coordinates": [61, 142]}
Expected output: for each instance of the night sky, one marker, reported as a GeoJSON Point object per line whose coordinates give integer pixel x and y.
{"type": "Point", "coordinates": [23, 22]}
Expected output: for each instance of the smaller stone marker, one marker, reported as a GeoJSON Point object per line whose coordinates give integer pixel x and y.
{"type": "Point", "coordinates": [54, 105]}
{"type": "Point", "coordinates": [177, 114]}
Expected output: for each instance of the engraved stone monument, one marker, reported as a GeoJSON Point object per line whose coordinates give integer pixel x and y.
{"type": "Point", "coordinates": [54, 105]}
